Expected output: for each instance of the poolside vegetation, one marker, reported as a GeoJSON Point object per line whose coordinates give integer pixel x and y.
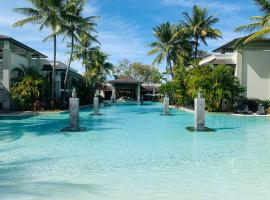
{"type": "Point", "coordinates": [178, 46]}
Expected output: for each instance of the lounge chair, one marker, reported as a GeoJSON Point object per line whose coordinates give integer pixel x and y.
{"type": "Point", "coordinates": [244, 110]}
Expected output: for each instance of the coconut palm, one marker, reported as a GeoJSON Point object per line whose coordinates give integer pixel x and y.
{"type": "Point", "coordinates": [200, 26]}
{"type": "Point", "coordinates": [97, 68]}
{"type": "Point", "coordinates": [260, 26]}
{"type": "Point", "coordinates": [75, 25]}
{"type": "Point", "coordinates": [46, 14]}
{"type": "Point", "coordinates": [83, 50]}
{"type": "Point", "coordinates": [168, 45]}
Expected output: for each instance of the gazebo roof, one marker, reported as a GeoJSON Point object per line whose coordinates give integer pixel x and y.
{"type": "Point", "coordinates": [126, 80]}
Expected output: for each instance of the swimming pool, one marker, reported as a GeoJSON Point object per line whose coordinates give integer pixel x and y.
{"type": "Point", "coordinates": [134, 153]}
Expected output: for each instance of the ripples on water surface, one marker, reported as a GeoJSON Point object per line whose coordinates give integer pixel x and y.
{"type": "Point", "coordinates": [134, 153]}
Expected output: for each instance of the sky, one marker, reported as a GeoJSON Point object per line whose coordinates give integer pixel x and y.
{"type": "Point", "coordinates": [125, 27]}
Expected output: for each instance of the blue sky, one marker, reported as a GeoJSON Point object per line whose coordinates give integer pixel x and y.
{"type": "Point", "coordinates": [125, 26]}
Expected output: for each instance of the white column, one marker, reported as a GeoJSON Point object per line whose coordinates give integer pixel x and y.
{"type": "Point", "coordinates": [199, 116]}
{"type": "Point", "coordinates": [96, 106]}
{"type": "Point", "coordinates": [29, 57]}
{"type": "Point", "coordinates": [138, 93]}
{"type": "Point", "coordinates": [113, 97]}
{"type": "Point", "coordinates": [74, 110]}
{"type": "Point", "coordinates": [6, 74]}
{"type": "Point", "coordinates": [166, 105]}
{"type": "Point", "coordinates": [58, 85]}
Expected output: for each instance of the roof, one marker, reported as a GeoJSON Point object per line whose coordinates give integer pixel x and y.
{"type": "Point", "coordinates": [47, 66]}
{"type": "Point", "coordinates": [17, 43]}
{"type": "Point", "coordinates": [231, 46]}
{"type": "Point", "coordinates": [126, 80]}
{"type": "Point", "coordinates": [225, 59]}
{"type": "Point", "coordinates": [228, 46]}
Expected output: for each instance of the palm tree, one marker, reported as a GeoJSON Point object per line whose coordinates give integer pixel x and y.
{"type": "Point", "coordinates": [46, 14]}
{"type": "Point", "coordinates": [261, 25]}
{"type": "Point", "coordinates": [83, 50]}
{"type": "Point", "coordinates": [97, 68]}
{"type": "Point", "coordinates": [75, 25]}
{"type": "Point", "coordinates": [168, 46]}
{"type": "Point", "coordinates": [199, 26]}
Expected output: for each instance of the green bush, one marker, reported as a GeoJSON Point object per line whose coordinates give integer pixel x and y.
{"type": "Point", "coordinates": [217, 83]}
{"type": "Point", "coordinates": [27, 91]}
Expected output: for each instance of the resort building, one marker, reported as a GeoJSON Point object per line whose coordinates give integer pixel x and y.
{"type": "Point", "coordinates": [129, 89]}
{"type": "Point", "coordinates": [14, 54]}
{"type": "Point", "coordinates": [60, 72]}
{"type": "Point", "coordinates": [251, 65]}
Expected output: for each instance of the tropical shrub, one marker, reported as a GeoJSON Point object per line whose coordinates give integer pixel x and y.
{"type": "Point", "coordinates": [28, 91]}
{"type": "Point", "coordinates": [217, 84]}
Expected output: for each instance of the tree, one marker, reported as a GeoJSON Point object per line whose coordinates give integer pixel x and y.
{"type": "Point", "coordinates": [122, 69]}
{"type": "Point", "coordinates": [146, 73]}
{"type": "Point", "coordinates": [82, 49]}
{"type": "Point", "coordinates": [46, 14]}
{"type": "Point", "coordinates": [97, 68]}
{"type": "Point", "coordinates": [169, 45]}
{"type": "Point", "coordinates": [261, 25]}
{"type": "Point", "coordinates": [217, 83]}
{"type": "Point", "coordinates": [137, 70]}
{"type": "Point", "coordinates": [75, 25]}
{"type": "Point", "coordinates": [199, 26]}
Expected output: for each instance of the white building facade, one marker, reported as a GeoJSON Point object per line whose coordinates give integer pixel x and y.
{"type": "Point", "coordinates": [251, 66]}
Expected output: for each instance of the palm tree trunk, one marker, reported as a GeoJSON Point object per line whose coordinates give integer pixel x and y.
{"type": "Point", "coordinates": [169, 63]}
{"type": "Point", "coordinates": [53, 71]}
{"type": "Point", "coordinates": [69, 63]}
{"type": "Point", "coordinates": [196, 46]}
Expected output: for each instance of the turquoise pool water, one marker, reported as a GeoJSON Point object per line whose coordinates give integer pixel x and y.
{"type": "Point", "coordinates": [134, 153]}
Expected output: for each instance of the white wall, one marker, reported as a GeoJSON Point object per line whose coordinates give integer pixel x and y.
{"type": "Point", "coordinates": [256, 73]}
{"type": "Point", "coordinates": [17, 60]}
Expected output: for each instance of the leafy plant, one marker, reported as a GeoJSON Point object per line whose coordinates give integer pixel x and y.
{"type": "Point", "coordinates": [27, 91]}
{"type": "Point", "coordinates": [217, 83]}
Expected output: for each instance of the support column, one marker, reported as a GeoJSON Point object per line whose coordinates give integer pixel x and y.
{"type": "Point", "coordinates": [6, 75]}
{"type": "Point", "coordinates": [138, 93]}
{"type": "Point", "coordinates": [96, 105]}
{"type": "Point", "coordinates": [30, 61]}
{"type": "Point", "coordinates": [199, 116]}
{"type": "Point", "coordinates": [166, 105]}
{"type": "Point", "coordinates": [113, 97]}
{"type": "Point", "coordinates": [58, 85]}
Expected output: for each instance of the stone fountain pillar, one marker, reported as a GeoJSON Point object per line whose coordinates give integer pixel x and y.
{"type": "Point", "coordinates": [74, 111]}
{"type": "Point", "coordinates": [199, 116]}
{"type": "Point", "coordinates": [96, 105]}
{"type": "Point", "coordinates": [166, 104]}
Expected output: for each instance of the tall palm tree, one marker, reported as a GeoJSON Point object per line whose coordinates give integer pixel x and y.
{"type": "Point", "coordinates": [260, 26]}
{"type": "Point", "coordinates": [98, 68]}
{"type": "Point", "coordinates": [168, 45]}
{"type": "Point", "coordinates": [76, 25]}
{"type": "Point", "coordinates": [83, 50]}
{"type": "Point", "coordinates": [46, 14]}
{"type": "Point", "coordinates": [200, 26]}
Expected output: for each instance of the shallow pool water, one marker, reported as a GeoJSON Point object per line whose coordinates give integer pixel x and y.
{"type": "Point", "coordinates": [135, 153]}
